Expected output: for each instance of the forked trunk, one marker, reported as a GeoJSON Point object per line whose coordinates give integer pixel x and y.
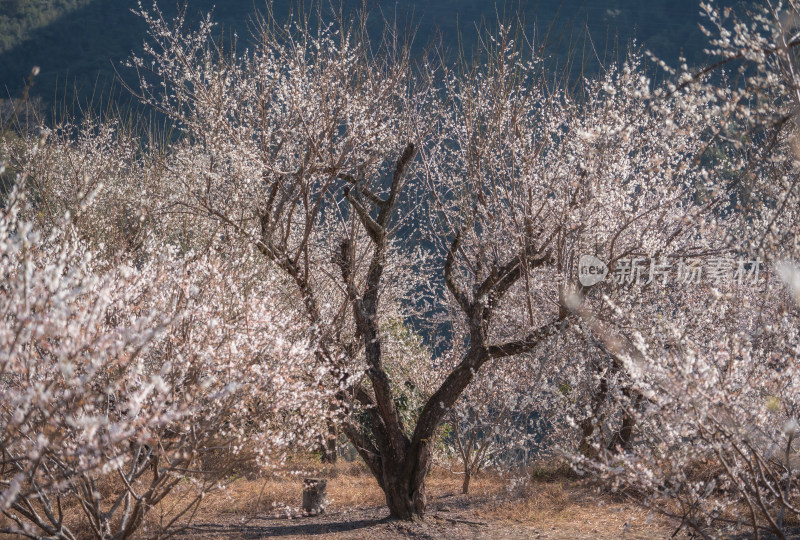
{"type": "Point", "coordinates": [405, 496]}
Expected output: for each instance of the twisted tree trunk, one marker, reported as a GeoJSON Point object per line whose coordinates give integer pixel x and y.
{"type": "Point", "coordinates": [400, 463]}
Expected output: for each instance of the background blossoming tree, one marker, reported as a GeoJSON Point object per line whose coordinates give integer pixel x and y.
{"type": "Point", "coordinates": [719, 439]}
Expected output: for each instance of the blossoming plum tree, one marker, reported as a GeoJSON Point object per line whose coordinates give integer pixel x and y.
{"type": "Point", "coordinates": [719, 438]}
{"type": "Point", "coordinates": [316, 149]}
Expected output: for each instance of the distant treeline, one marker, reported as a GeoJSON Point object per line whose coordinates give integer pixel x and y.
{"type": "Point", "coordinates": [18, 18]}
{"type": "Point", "coordinates": [79, 43]}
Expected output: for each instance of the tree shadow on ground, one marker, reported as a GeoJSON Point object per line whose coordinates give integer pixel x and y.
{"type": "Point", "coordinates": [261, 527]}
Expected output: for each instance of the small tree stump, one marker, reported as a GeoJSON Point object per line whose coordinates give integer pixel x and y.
{"type": "Point", "coordinates": [314, 500]}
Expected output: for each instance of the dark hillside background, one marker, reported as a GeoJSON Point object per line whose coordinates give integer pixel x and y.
{"type": "Point", "coordinates": [77, 42]}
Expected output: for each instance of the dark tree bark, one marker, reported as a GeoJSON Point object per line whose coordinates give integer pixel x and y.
{"type": "Point", "coordinates": [328, 446]}
{"type": "Point", "coordinates": [621, 440]}
{"type": "Point", "coordinates": [587, 425]}
{"type": "Point", "coordinates": [616, 346]}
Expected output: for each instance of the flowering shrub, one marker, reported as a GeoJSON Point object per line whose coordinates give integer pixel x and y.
{"type": "Point", "coordinates": [135, 378]}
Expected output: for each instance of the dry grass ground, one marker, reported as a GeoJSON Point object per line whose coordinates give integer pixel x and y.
{"type": "Point", "coordinates": [552, 506]}
{"type": "Point", "coordinates": [557, 508]}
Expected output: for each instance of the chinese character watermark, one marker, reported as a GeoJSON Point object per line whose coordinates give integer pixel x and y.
{"type": "Point", "coordinates": [690, 271]}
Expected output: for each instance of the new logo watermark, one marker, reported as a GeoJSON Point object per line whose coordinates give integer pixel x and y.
{"type": "Point", "coordinates": [591, 270]}
{"type": "Point", "coordinates": [644, 270]}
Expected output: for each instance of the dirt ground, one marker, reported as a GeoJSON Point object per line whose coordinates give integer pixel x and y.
{"type": "Point", "coordinates": [372, 522]}
{"type": "Point", "coordinates": [554, 508]}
